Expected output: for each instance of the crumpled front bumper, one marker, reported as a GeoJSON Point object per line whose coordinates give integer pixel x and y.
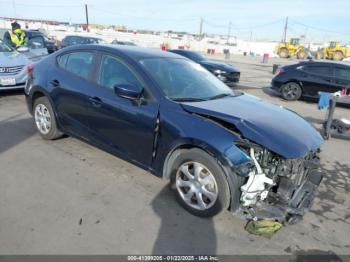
{"type": "Point", "coordinates": [281, 206]}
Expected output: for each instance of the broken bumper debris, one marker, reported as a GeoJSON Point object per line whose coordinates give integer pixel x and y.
{"type": "Point", "coordinates": [278, 189]}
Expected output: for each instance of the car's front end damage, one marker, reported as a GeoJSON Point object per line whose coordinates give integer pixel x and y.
{"type": "Point", "coordinates": [278, 188]}
{"type": "Point", "coordinates": [279, 174]}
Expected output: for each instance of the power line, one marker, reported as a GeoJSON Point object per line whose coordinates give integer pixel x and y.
{"type": "Point", "coordinates": [319, 28]}
{"type": "Point", "coordinates": [261, 25]}
{"type": "Point", "coordinates": [213, 24]}
{"type": "Point", "coordinates": [141, 17]}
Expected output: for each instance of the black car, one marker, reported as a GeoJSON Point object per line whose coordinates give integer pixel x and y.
{"type": "Point", "coordinates": [310, 77]}
{"type": "Point", "coordinates": [227, 73]}
{"type": "Point", "coordinates": [48, 43]}
{"type": "Point", "coordinates": [80, 40]}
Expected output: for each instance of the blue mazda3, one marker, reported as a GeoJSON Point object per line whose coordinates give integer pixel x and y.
{"type": "Point", "coordinates": [219, 148]}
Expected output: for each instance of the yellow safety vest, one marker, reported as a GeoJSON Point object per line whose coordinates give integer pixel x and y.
{"type": "Point", "coordinates": [18, 38]}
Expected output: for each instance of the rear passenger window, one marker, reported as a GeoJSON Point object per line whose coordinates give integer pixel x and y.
{"type": "Point", "coordinates": [319, 70]}
{"type": "Point", "coordinates": [342, 73]}
{"type": "Point", "coordinates": [113, 72]}
{"type": "Point", "coordinates": [62, 61]}
{"type": "Point", "coordinates": [80, 63]}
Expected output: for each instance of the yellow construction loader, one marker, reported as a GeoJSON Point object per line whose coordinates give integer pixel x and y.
{"type": "Point", "coordinates": [334, 52]}
{"type": "Point", "coordinates": [291, 48]}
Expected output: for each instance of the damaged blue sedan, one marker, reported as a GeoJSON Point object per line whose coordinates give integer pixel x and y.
{"type": "Point", "coordinates": [220, 149]}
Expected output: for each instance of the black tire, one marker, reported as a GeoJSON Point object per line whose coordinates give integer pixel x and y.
{"type": "Point", "coordinates": [53, 132]}
{"type": "Point", "coordinates": [223, 191]}
{"type": "Point", "coordinates": [338, 56]}
{"type": "Point", "coordinates": [291, 91]}
{"type": "Point", "coordinates": [284, 53]}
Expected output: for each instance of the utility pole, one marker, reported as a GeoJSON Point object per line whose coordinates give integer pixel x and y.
{"type": "Point", "coordinates": [201, 28]}
{"type": "Point", "coordinates": [285, 30]}
{"type": "Point", "coordinates": [229, 32]}
{"type": "Point", "coordinates": [87, 18]}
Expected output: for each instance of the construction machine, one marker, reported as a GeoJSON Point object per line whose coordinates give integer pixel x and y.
{"type": "Point", "coordinates": [291, 48]}
{"type": "Point", "coordinates": [334, 52]}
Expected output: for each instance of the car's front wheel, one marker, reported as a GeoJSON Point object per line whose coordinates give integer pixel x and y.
{"type": "Point", "coordinates": [200, 183]}
{"type": "Point", "coordinates": [44, 119]}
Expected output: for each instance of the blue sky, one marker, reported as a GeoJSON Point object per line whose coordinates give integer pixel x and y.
{"type": "Point", "coordinates": [318, 20]}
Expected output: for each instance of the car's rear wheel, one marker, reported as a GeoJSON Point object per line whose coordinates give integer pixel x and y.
{"type": "Point", "coordinates": [44, 119]}
{"type": "Point", "coordinates": [291, 91]}
{"type": "Point", "coordinates": [200, 183]}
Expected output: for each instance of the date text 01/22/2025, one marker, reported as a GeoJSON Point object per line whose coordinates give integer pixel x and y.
{"type": "Point", "coordinates": [173, 258]}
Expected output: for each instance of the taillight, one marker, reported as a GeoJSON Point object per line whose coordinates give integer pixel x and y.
{"type": "Point", "coordinates": [30, 69]}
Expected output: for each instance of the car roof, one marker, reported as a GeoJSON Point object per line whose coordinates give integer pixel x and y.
{"type": "Point", "coordinates": [33, 32]}
{"type": "Point", "coordinates": [182, 51]}
{"type": "Point", "coordinates": [327, 63]}
{"type": "Point", "coordinates": [133, 52]}
{"type": "Point", "coordinates": [83, 36]}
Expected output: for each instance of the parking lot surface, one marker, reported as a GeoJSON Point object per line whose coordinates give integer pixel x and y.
{"type": "Point", "coordinates": [67, 197]}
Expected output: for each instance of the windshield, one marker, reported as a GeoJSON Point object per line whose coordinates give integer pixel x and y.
{"type": "Point", "coordinates": [295, 41]}
{"type": "Point", "coordinates": [183, 80]}
{"type": "Point", "coordinates": [5, 48]}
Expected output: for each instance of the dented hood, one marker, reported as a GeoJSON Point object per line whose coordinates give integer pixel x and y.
{"type": "Point", "coordinates": [276, 128]}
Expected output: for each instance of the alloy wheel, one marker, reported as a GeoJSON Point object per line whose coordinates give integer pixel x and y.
{"type": "Point", "coordinates": [196, 185]}
{"type": "Point", "coordinates": [42, 119]}
{"type": "Point", "coordinates": [291, 91]}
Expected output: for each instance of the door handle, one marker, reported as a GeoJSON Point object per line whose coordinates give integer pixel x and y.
{"type": "Point", "coordinates": [55, 83]}
{"type": "Point", "coordinates": [95, 101]}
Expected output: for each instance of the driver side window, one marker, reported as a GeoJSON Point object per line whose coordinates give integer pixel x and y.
{"type": "Point", "coordinates": [114, 72]}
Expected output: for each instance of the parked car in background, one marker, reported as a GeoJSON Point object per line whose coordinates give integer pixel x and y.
{"type": "Point", "coordinates": [227, 73]}
{"type": "Point", "coordinates": [116, 42]}
{"type": "Point", "coordinates": [80, 40]}
{"type": "Point", "coordinates": [310, 77]}
{"type": "Point", "coordinates": [220, 149]}
{"type": "Point", "coordinates": [13, 71]}
{"type": "Point", "coordinates": [46, 42]}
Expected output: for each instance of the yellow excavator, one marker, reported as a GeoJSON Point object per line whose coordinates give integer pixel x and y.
{"type": "Point", "coordinates": [334, 52]}
{"type": "Point", "coordinates": [291, 48]}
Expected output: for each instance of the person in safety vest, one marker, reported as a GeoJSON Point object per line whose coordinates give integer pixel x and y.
{"type": "Point", "coordinates": [15, 37]}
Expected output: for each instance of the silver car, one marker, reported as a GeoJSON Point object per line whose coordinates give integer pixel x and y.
{"type": "Point", "coordinates": [13, 65]}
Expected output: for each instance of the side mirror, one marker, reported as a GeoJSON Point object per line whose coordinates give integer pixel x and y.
{"type": "Point", "coordinates": [128, 91]}
{"type": "Point", "coordinates": [23, 49]}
